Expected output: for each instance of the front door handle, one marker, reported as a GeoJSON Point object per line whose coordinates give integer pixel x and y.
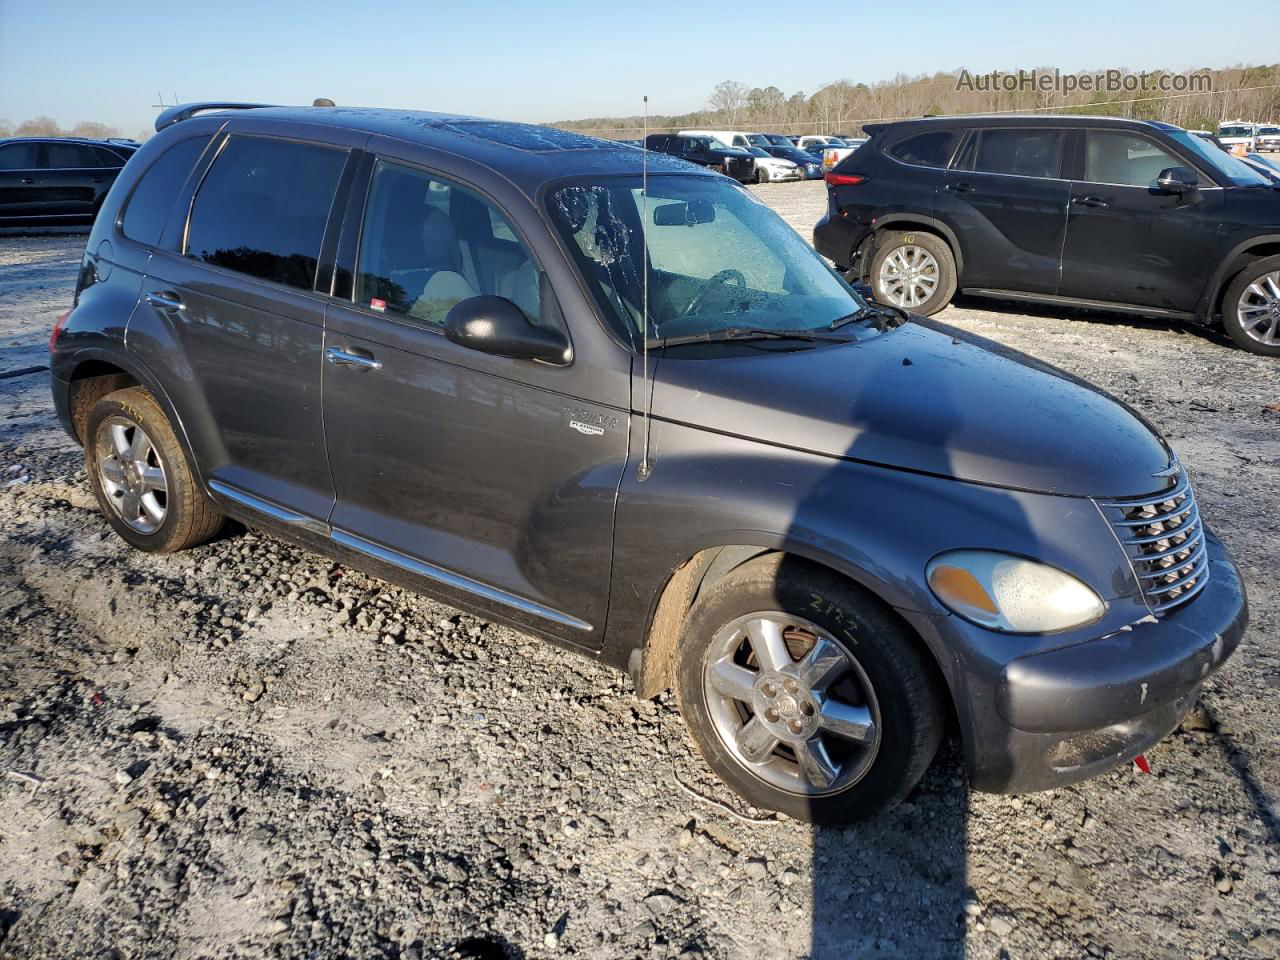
{"type": "Point", "coordinates": [165, 301]}
{"type": "Point", "coordinates": [343, 358]}
{"type": "Point", "coordinates": [95, 179]}
{"type": "Point", "coordinates": [1090, 202]}
{"type": "Point", "coordinates": [960, 187]}
{"type": "Point", "coordinates": [28, 179]}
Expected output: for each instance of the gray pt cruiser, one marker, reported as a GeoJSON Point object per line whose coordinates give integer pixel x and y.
{"type": "Point", "coordinates": [617, 403]}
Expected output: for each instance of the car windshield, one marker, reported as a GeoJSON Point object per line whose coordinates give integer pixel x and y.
{"type": "Point", "coordinates": [758, 152]}
{"type": "Point", "coordinates": [757, 139]}
{"type": "Point", "coordinates": [1218, 160]}
{"type": "Point", "coordinates": [714, 144]}
{"type": "Point", "coordinates": [1268, 130]}
{"type": "Point", "coordinates": [719, 259]}
{"type": "Point", "coordinates": [1235, 131]}
{"type": "Point", "coordinates": [778, 140]}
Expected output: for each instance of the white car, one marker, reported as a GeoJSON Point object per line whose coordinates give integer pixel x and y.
{"type": "Point", "coordinates": [770, 168]}
{"type": "Point", "coordinates": [1238, 131]}
{"type": "Point", "coordinates": [1267, 139]}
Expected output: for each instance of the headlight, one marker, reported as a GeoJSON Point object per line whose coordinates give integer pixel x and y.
{"type": "Point", "coordinates": [1011, 594]}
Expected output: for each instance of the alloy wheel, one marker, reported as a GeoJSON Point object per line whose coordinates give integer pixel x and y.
{"type": "Point", "coordinates": [132, 474]}
{"type": "Point", "coordinates": [791, 703]}
{"type": "Point", "coordinates": [908, 276]}
{"type": "Point", "coordinates": [1259, 309]}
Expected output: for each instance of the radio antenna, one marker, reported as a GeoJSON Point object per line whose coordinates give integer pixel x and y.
{"type": "Point", "coordinates": [647, 409]}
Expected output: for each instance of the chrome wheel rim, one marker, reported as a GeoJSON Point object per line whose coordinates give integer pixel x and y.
{"type": "Point", "coordinates": [132, 474]}
{"type": "Point", "coordinates": [791, 704]}
{"type": "Point", "coordinates": [1259, 309]}
{"type": "Point", "coordinates": [908, 276]}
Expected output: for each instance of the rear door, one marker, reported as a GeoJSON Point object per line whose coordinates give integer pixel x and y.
{"type": "Point", "coordinates": [491, 477]}
{"type": "Point", "coordinates": [72, 179]}
{"type": "Point", "coordinates": [238, 297]}
{"type": "Point", "coordinates": [19, 170]}
{"type": "Point", "coordinates": [1127, 240]}
{"type": "Point", "coordinates": [1005, 198]}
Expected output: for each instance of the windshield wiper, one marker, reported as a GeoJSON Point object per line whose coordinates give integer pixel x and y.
{"type": "Point", "coordinates": [738, 333]}
{"type": "Point", "coordinates": [888, 316]}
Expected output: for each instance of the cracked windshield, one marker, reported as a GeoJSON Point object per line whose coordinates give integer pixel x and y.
{"type": "Point", "coordinates": [721, 263]}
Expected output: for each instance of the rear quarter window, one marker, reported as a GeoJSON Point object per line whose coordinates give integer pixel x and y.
{"type": "Point", "coordinates": [262, 209]}
{"type": "Point", "coordinates": [152, 200]}
{"type": "Point", "coordinates": [932, 149]}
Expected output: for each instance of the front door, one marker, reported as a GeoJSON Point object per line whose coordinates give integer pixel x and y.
{"type": "Point", "coordinates": [73, 177]}
{"type": "Point", "coordinates": [1130, 242]}
{"type": "Point", "coordinates": [241, 303]}
{"type": "Point", "coordinates": [19, 175]}
{"type": "Point", "coordinates": [489, 477]}
{"type": "Point", "coordinates": [1006, 201]}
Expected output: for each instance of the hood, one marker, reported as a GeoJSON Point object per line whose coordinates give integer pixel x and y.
{"type": "Point", "coordinates": [920, 399]}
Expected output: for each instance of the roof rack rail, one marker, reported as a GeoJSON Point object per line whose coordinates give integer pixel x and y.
{"type": "Point", "coordinates": [185, 111]}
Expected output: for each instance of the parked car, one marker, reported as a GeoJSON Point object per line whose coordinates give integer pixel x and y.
{"type": "Point", "coordinates": [771, 168]}
{"type": "Point", "coordinates": [817, 143]}
{"type": "Point", "coordinates": [1236, 132]}
{"type": "Point", "coordinates": [1264, 165]}
{"type": "Point", "coordinates": [706, 151]}
{"type": "Point", "coordinates": [395, 339]}
{"type": "Point", "coordinates": [810, 164]}
{"type": "Point", "coordinates": [57, 179]}
{"type": "Point", "coordinates": [1099, 212]}
{"type": "Point", "coordinates": [777, 140]}
{"type": "Point", "coordinates": [1267, 139]}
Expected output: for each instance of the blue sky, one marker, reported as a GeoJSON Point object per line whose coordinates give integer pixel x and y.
{"type": "Point", "coordinates": [82, 60]}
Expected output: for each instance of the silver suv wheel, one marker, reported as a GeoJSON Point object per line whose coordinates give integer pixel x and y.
{"type": "Point", "coordinates": [791, 703]}
{"type": "Point", "coordinates": [908, 276]}
{"type": "Point", "coordinates": [131, 474]}
{"type": "Point", "coordinates": [1258, 309]}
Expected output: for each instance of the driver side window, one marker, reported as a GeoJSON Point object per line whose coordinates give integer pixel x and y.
{"type": "Point", "coordinates": [1125, 159]}
{"type": "Point", "coordinates": [428, 244]}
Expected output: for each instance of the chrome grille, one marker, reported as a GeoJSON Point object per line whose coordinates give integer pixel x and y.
{"type": "Point", "coordinates": [1165, 541]}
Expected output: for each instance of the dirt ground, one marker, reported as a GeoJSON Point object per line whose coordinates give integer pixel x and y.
{"type": "Point", "coordinates": [247, 750]}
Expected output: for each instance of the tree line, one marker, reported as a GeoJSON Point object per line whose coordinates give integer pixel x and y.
{"type": "Point", "coordinates": [843, 106]}
{"type": "Point", "coordinates": [44, 126]}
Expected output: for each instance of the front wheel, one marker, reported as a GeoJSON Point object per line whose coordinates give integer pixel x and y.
{"type": "Point", "coordinates": [805, 694]}
{"type": "Point", "coordinates": [1251, 307]}
{"type": "Point", "coordinates": [913, 270]}
{"type": "Point", "coordinates": [140, 475]}
{"type": "Point", "coordinates": [762, 175]}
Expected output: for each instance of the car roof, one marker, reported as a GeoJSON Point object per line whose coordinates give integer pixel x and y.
{"type": "Point", "coordinates": [526, 154]}
{"type": "Point", "coordinates": [1021, 120]}
{"type": "Point", "coordinates": [84, 141]}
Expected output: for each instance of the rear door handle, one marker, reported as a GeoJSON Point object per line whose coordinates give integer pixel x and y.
{"type": "Point", "coordinates": [165, 301]}
{"type": "Point", "coordinates": [1090, 202]}
{"type": "Point", "coordinates": [95, 179]}
{"type": "Point", "coordinates": [342, 358]}
{"type": "Point", "coordinates": [28, 179]}
{"type": "Point", "coordinates": [960, 187]}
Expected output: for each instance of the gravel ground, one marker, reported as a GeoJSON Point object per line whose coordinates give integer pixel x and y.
{"type": "Point", "coordinates": [248, 750]}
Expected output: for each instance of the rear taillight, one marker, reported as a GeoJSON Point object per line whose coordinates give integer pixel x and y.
{"type": "Point", "coordinates": [57, 330]}
{"type": "Point", "coordinates": [843, 179]}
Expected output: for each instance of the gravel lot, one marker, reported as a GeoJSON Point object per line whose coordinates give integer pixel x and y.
{"type": "Point", "coordinates": [247, 750]}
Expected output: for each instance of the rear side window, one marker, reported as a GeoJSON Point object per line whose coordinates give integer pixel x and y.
{"type": "Point", "coordinates": [932, 149]}
{"type": "Point", "coordinates": [152, 200]}
{"type": "Point", "coordinates": [1028, 152]}
{"type": "Point", "coordinates": [70, 156]}
{"type": "Point", "coordinates": [18, 156]}
{"type": "Point", "coordinates": [262, 208]}
{"type": "Point", "coordinates": [108, 158]}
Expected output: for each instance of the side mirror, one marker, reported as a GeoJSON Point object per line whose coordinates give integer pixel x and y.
{"type": "Point", "coordinates": [1177, 180]}
{"type": "Point", "coordinates": [496, 325]}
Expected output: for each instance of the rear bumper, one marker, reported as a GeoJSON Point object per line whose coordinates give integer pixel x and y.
{"type": "Point", "coordinates": [1054, 718]}
{"type": "Point", "coordinates": [836, 238]}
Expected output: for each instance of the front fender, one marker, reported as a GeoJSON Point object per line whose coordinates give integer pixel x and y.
{"type": "Point", "coordinates": [876, 525]}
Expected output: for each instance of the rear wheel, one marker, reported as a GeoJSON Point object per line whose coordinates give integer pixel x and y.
{"type": "Point", "coordinates": [1251, 307]}
{"type": "Point", "coordinates": [913, 270]}
{"type": "Point", "coordinates": [141, 477]}
{"type": "Point", "coordinates": [762, 175]}
{"type": "Point", "coordinates": [805, 694]}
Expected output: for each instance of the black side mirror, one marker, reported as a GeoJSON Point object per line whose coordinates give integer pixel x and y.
{"type": "Point", "coordinates": [1177, 180]}
{"type": "Point", "coordinates": [496, 325]}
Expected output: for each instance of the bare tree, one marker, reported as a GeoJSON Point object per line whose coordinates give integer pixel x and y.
{"type": "Point", "coordinates": [6, 128]}
{"type": "Point", "coordinates": [93, 130]}
{"type": "Point", "coordinates": [41, 126]}
{"type": "Point", "coordinates": [728, 98]}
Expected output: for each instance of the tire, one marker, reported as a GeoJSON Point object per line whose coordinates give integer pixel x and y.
{"type": "Point", "coordinates": [140, 476]}
{"type": "Point", "coordinates": [882, 676]}
{"type": "Point", "coordinates": [762, 176]}
{"type": "Point", "coordinates": [1255, 289]}
{"type": "Point", "coordinates": [897, 250]}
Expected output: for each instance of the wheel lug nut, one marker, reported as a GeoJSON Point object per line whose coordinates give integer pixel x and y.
{"type": "Point", "coordinates": [806, 709]}
{"type": "Point", "coordinates": [789, 685]}
{"type": "Point", "coordinates": [771, 715]}
{"type": "Point", "coordinates": [769, 690]}
{"type": "Point", "coordinates": [796, 726]}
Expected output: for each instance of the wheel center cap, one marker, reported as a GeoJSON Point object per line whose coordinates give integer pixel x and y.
{"type": "Point", "coordinates": [787, 706]}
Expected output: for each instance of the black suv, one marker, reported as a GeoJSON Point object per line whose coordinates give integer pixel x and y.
{"type": "Point", "coordinates": [706, 152]}
{"type": "Point", "coordinates": [1099, 212]}
{"type": "Point", "coordinates": [614, 400]}
{"type": "Point", "coordinates": [57, 179]}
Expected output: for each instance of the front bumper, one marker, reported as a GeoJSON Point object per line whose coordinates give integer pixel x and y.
{"type": "Point", "coordinates": [1053, 718]}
